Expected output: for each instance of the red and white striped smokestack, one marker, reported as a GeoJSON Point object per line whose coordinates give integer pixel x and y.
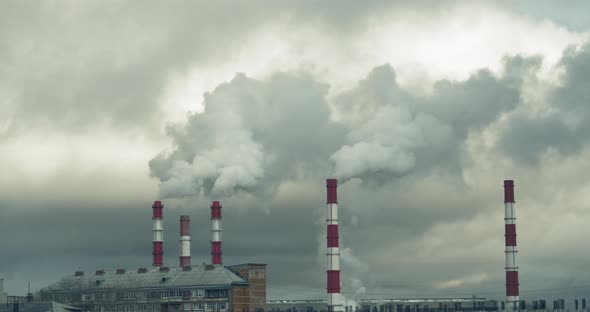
{"type": "Point", "coordinates": [512, 293]}
{"type": "Point", "coordinates": [216, 233]}
{"type": "Point", "coordinates": [185, 241]}
{"type": "Point", "coordinates": [334, 300]}
{"type": "Point", "coordinates": [158, 231]}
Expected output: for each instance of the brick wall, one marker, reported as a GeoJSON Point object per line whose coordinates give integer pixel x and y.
{"type": "Point", "coordinates": [255, 275]}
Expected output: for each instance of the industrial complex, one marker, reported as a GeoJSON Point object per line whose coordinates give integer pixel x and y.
{"type": "Point", "coordinates": [216, 287]}
{"type": "Point", "coordinates": [186, 287]}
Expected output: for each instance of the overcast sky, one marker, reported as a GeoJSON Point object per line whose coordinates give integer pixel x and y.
{"type": "Point", "coordinates": [420, 110]}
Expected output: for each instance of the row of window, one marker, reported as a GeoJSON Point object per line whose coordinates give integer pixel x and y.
{"type": "Point", "coordinates": [135, 295]}
{"type": "Point", "coordinates": [131, 308]}
{"type": "Point", "coordinates": [138, 295]}
{"type": "Point", "coordinates": [211, 306]}
{"type": "Point", "coordinates": [198, 293]}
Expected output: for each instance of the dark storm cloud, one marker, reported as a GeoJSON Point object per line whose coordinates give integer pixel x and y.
{"type": "Point", "coordinates": [90, 236]}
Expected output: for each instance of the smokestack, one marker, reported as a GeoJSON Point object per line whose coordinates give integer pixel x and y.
{"type": "Point", "coordinates": [185, 241]}
{"type": "Point", "coordinates": [512, 293]}
{"type": "Point", "coordinates": [216, 233]}
{"type": "Point", "coordinates": [334, 302]}
{"type": "Point", "coordinates": [158, 231]}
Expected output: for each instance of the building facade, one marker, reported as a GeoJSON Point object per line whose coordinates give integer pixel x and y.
{"type": "Point", "coordinates": [204, 288]}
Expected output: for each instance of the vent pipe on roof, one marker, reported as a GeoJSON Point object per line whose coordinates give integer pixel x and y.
{"type": "Point", "coordinates": [512, 292]}
{"type": "Point", "coordinates": [158, 230]}
{"type": "Point", "coordinates": [185, 241]}
{"type": "Point", "coordinates": [333, 279]}
{"type": "Point", "coordinates": [216, 233]}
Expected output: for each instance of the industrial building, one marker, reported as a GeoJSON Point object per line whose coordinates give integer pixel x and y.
{"type": "Point", "coordinates": [389, 305]}
{"type": "Point", "coordinates": [206, 287]}
{"type": "Point", "coordinates": [239, 288]}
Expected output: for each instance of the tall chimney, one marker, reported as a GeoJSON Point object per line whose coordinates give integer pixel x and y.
{"type": "Point", "coordinates": [158, 231]}
{"type": "Point", "coordinates": [512, 293]}
{"type": "Point", "coordinates": [334, 300]}
{"type": "Point", "coordinates": [185, 241]}
{"type": "Point", "coordinates": [216, 233]}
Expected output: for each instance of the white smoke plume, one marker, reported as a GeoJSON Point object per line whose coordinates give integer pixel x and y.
{"type": "Point", "coordinates": [354, 272]}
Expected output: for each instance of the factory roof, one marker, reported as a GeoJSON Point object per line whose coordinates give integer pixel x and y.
{"type": "Point", "coordinates": [49, 306]}
{"type": "Point", "coordinates": [164, 277]}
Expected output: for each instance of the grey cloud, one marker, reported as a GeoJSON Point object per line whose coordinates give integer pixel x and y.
{"type": "Point", "coordinates": [527, 136]}
{"type": "Point", "coordinates": [473, 103]}
{"type": "Point", "coordinates": [571, 16]}
{"type": "Point", "coordinates": [78, 65]}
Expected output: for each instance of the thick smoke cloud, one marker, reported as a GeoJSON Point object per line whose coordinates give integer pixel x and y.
{"type": "Point", "coordinates": [253, 134]}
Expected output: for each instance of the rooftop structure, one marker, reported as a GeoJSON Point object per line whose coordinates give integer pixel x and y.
{"type": "Point", "coordinates": [50, 306]}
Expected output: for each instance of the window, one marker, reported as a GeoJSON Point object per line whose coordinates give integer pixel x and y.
{"type": "Point", "coordinates": [135, 295]}
{"type": "Point", "coordinates": [222, 293]}
{"type": "Point", "coordinates": [198, 293]}
{"type": "Point", "coordinates": [87, 297]}
{"type": "Point", "coordinates": [222, 306]}
{"type": "Point", "coordinates": [186, 306]}
{"type": "Point", "coordinates": [164, 294]}
{"type": "Point", "coordinates": [211, 306]}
